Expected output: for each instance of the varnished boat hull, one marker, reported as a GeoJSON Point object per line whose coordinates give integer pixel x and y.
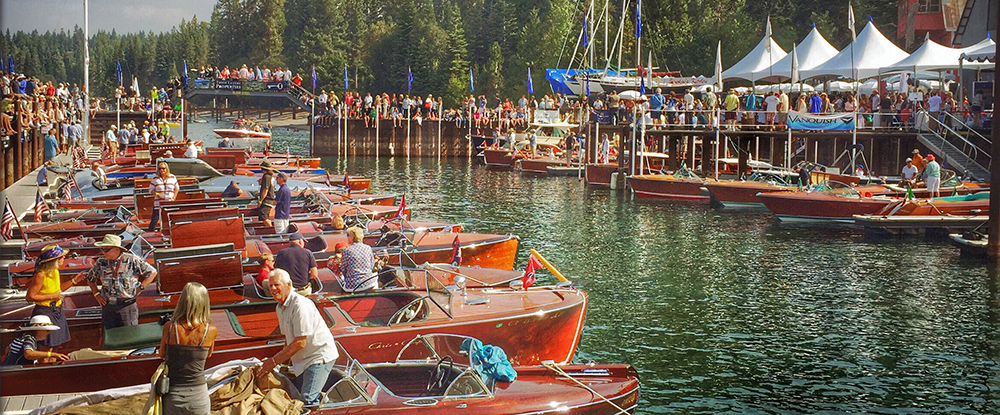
{"type": "Point", "coordinates": [668, 187]}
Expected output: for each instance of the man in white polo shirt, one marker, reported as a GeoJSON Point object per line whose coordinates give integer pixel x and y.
{"type": "Point", "coordinates": [308, 341]}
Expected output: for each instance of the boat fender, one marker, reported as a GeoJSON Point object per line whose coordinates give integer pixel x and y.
{"type": "Point", "coordinates": [867, 194]}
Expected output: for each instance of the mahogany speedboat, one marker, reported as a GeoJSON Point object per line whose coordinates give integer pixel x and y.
{"type": "Point", "coordinates": [833, 201]}
{"type": "Point", "coordinates": [682, 184]}
{"type": "Point", "coordinates": [370, 326]}
{"type": "Point", "coordinates": [241, 133]}
{"type": "Point", "coordinates": [735, 193]}
{"type": "Point", "coordinates": [501, 157]}
{"type": "Point", "coordinates": [913, 215]}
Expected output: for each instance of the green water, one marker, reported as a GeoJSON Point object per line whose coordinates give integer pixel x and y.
{"type": "Point", "coordinates": [730, 311]}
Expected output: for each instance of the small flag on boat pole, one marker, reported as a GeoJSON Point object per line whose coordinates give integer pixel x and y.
{"type": "Point", "coordinates": [529, 273]}
{"type": "Point", "coordinates": [401, 212]}
{"type": "Point", "coordinates": [7, 223]}
{"type": "Point", "coordinates": [41, 209]}
{"type": "Point", "coordinates": [456, 252]}
{"type": "Point", "coordinates": [68, 190]}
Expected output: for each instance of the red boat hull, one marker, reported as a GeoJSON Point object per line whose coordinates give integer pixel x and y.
{"type": "Point", "coordinates": [789, 206]}
{"type": "Point", "coordinates": [539, 165]}
{"type": "Point", "coordinates": [667, 186]}
{"type": "Point", "coordinates": [500, 158]}
{"type": "Point", "coordinates": [600, 174]}
{"type": "Point", "coordinates": [737, 193]}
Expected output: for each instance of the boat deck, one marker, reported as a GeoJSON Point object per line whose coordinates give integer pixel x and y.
{"type": "Point", "coordinates": [23, 404]}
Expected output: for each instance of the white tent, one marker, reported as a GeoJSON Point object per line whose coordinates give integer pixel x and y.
{"type": "Point", "coordinates": [933, 56]}
{"type": "Point", "coordinates": [862, 59]}
{"type": "Point", "coordinates": [981, 52]}
{"type": "Point", "coordinates": [760, 89]}
{"type": "Point", "coordinates": [813, 51]}
{"type": "Point", "coordinates": [755, 64]}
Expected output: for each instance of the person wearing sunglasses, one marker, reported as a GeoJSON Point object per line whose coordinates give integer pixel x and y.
{"type": "Point", "coordinates": [119, 272]}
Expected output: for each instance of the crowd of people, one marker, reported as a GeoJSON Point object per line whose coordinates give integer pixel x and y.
{"type": "Point", "coordinates": [27, 103]}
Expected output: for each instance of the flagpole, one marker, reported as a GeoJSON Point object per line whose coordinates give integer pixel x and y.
{"type": "Point", "coordinates": [439, 129]}
{"type": "Point", "coordinates": [376, 133]}
{"type": "Point", "coordinates": [86, 70]}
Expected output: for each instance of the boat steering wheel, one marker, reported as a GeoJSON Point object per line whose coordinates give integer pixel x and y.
{"type": "Point", "coordinates": [406, 313]}
{"type": "Point", "coordinates": [439, 376]}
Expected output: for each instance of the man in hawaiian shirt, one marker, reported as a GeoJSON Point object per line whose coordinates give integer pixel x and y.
{"type": "Point", "coordinates": [118, 271]}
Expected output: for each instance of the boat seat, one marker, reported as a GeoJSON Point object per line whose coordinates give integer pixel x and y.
{"type": "Point", "coordinates": [316, 244]}
{"type": "Point", "coordinates": [133, 337]}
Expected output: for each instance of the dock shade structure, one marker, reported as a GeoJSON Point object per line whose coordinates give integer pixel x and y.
{"type": "Point", "coordinates": [935, 57]}
{"type": "Point", "coordinates": [984, 53]}
{"type": "Point", "coordinates": [813, 51]}
{"type": "Point", "coordinates": [863, 58]}
{"type": "Point", "coordinates": [754, 66]}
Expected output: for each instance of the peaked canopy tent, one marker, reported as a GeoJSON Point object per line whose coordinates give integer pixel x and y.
{"type": "Point", "coordinates": [984, 53]}
{"type": "Point", "coordinates": [755, 65]}
{"type": "Point", "coordinates": [862, 59]}
{"type": "Point", "coordinates": [935, 57]}
{"type": "Point", "coordinates": [813, 51]}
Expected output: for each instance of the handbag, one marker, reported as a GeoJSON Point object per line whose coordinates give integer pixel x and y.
{"type": "Point", "coordinates": [163, 385]}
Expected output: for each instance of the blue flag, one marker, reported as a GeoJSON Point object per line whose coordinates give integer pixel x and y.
{"type": "Point", "coordinates": [584, 38]}
{"type": "Point", "coordinates": [185, 73]}
{"type": "Point", "coordinates": [314, 79]}
{"type": "Point", "coordinates": [586, 83]}
{"type": "Point", "coordinates": [531, 87]}
{"type": "Point", "coordinates": [118, 74]}
{"type": "Point", "coordinates": [638, 18]}
{"type": "Point", "coordinates": [345, 78]}
{"type": "Point", "coordinates": [472, 82]}
{"type": "Point", "coordinates": [10, 64]}
{"type": "Point", "coordinates": [642, 85]}
{"type": "Point", "coordinates": [2, 68]}
{"type": "Point", "coordinates": [409, 79]}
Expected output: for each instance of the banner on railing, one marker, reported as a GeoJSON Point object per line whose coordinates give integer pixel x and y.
{"type": "Point", "coordinates": [229, 84]}
{"type": "Point", "coordinates": [841, 121]}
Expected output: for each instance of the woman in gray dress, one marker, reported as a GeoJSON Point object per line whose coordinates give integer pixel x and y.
{"type": "Point", "coordinates": [188, 339]}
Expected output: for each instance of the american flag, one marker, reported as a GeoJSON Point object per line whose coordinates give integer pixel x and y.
{"type": "Point", "coordinates": [41, 208]}
{"type": "Point", "coordinates": [68, 189]}
{"type": "Point", "coordinates": [80, 159]}
{"type": "Point", "coordinates": [7, 223]}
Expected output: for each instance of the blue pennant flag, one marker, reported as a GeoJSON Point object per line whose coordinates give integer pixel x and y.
{"type": "Point", "coordinates": [345, 79]}
{"type": "Point", "coordinates": [314, 79]}
{"type": "Point", "coordinates": [531, 87]}
{"type": "Point", "coordinates": [409, 79]}
{"type": "Point", "coordinates": [586, 83]}
{"type": "Point", "coordinates": [638, 18]}
{"type": "Point", "coordinates": [472, 82]}
{"type": "Point", "coordinates": [118, 74]}
{"type": "Point", "coordinates": [584, 38]}
{"type": "Point", "coordinates": [642, 85]}
{"type": "Point", "coordinates": [10, 64]}
{"type": "Point", "coordinates": [2, 67]}
{"type": "Point", "coordinates": [185, 73]}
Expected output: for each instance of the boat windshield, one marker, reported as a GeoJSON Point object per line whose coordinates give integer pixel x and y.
{"type": "Point", "coordinates": [836, 188]}
{"type": "Point", "coordinates": [685, 173]}
{"type": "Point", "coordinates": [352, 385]}
{"type": "Point", "coordinates": [438, 293]}
{"type": "Point", "coordinates": [950, 179]}
{"type": "Point", "coordinates": [765, 176]}
{"type": "Point", "coordinates": [431, 348]}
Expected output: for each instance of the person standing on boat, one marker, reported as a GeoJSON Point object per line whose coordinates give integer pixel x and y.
{"type": "Point", "coordinates": [605, 150]}
{"type": "Point", "coordinates": [164, 187]}
{"type": "Point", "coordinates": [933, 180]}
{"type": "Point", "coordinates": [918, 160]}
{"type": "Point", "coordinates": [187, 341]}
{"type": "Point", "coordinates": [533, 142]}
{"type": "Point", "coordinates": [45, 290]}
{"type": "Point", "coordinates": [298, 262]}
{"type": "Point", "coordinates": [909, 173]}
{"type": "Point", "coordinates": [358, 263]}
{"type": "Point", "coordinates": [283, 207]}
{"type": "Point", "coordinates": [266, 198]}
{"type": "Point", "coordinates": [309, 345]}
{"type": "Point", "coordinates": [118, 271]}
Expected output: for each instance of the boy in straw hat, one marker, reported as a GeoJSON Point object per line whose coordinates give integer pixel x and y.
{"type": "Point", "coordinates": [24, 349]}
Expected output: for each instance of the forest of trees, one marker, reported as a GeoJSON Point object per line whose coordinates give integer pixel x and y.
{"type": "Point", "coordinates": [440, 40]}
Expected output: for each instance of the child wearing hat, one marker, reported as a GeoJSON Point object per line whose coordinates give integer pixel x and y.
{"type": "Point", "coordinates": [45, 290]}
{"type": "Point", "coordinates": [24, 349]}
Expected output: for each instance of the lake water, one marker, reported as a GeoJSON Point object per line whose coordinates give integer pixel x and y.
{"type": "Point", "coordinates": [730, 311]}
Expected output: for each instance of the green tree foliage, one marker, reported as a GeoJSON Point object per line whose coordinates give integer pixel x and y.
{"type": "Point", "coordinates": [439, 40]}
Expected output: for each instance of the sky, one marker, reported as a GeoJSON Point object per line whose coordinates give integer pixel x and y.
{"type": "Point", "coordinates": [124, 16]}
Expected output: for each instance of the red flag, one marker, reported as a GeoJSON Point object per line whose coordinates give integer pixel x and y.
{"type": "Point", "coordinates": [401, 212]}
{"type": "Point", "coordinates": [456, 252]}
{"type": "Point", "coordinates": [529, 273]}
{"type": "Point", "coordinates": [41, 208]}
{"type": "Point", "coordinates": [7, 223]}
{"type": "Point", "coordinates": [68, 190]}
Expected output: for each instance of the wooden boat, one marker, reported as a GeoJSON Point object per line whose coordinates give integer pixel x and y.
{"type": "Point", "coordinates": [371, 327]}
{"type": "Point", "coordinates": [538, 165]}
{"type": "Point", "coordinates": [682, 184]}
{"type": "Point", "coordinates": [736, 193]}
{"type": "Point", "coordinates": [241, 133]}
{"type": "Point", "coordinates": [971, 244]}
{"type": "Point", "coordinates": [835, 202]}
{"type": "Point", "coordinates": [600, 174]}
{"type": "Point", "coordinates": [501, 157]}
{"type": "Point", "coordinates": [976, 204]}
{"type": "Point", "coordinates": [434, 372]}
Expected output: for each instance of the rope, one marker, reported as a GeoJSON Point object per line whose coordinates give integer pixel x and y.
{"type": "Point", "coordinates": [551, 365]}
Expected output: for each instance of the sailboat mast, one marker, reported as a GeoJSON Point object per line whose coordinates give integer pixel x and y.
{"type": "Point", "coordinates": [593, 31]}
{"type": "Point", "coordinates": [607, 23]}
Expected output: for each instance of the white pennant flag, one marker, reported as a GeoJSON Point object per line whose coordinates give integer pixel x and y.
{"type": "Point", "coordinates": [850, 20]}
{"type": "Point", "coordinates": [718, 66]}
{"type": "Point", "coordinates": [795, 68]}
{"type": "Point", "coordinates": [767, 35]}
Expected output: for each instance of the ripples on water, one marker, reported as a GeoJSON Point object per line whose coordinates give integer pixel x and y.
{"type": "Point", "coordinates": [729, 311]}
